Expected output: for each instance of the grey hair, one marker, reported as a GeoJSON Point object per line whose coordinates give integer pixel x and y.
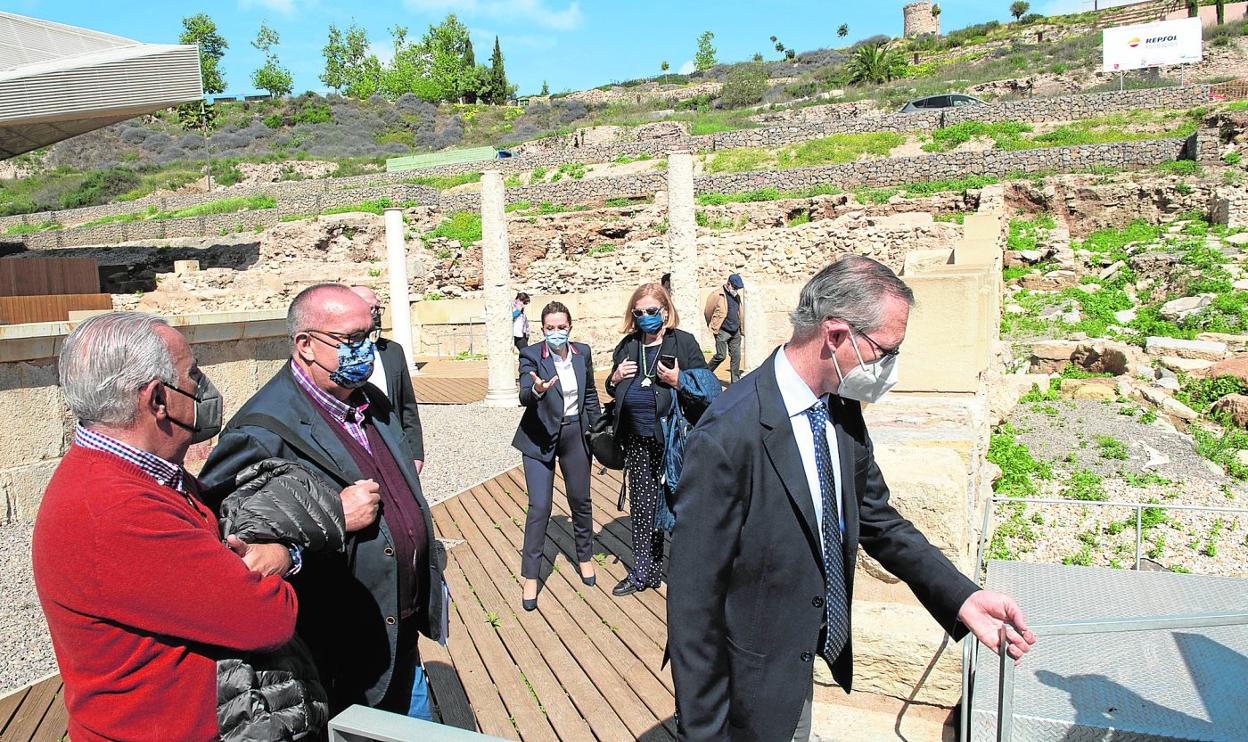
{"type": "Point", "coordinates": [107, 359]}
{"type": "Point", "coordinates": [849, 289]}
{"type": "Point", "coordinates": [302, 315]}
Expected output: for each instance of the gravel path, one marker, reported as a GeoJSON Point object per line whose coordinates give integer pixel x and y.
{"type": "Point", "coordinates": [25, 649]}
{"type": "Point", "coordinates": [1065, 434]}
{"type": "Point", "coordinates": [465, 444]}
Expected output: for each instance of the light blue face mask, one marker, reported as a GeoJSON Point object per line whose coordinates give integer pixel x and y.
{"type": "Point", "coordinates": [557, 339]}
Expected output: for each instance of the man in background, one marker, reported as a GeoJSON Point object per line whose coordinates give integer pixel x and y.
{"type": "Point", "coordinates": [391, 377]}
{"type": "Point", "coordinates": [727, 323]}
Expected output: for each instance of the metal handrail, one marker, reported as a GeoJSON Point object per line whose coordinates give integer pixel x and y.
{"type": "Point", "coordinates": [970, 649]}
{"type": "Point", "coordinates": [1005, 679]}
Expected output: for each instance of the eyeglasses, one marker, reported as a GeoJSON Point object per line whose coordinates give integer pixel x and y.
{"type": "Point", "coordinates": [882, 353]}
{"type": "Point", "coordinates": [354, 341]}
{"type": "Point", "coordinates": [648, 311]}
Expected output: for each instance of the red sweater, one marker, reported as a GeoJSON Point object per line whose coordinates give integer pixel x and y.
{"type": "Point", "coordinates": [141, 598]}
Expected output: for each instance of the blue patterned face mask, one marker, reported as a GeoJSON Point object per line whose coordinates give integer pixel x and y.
{"type": "Point", "coordinates": [355, 364]}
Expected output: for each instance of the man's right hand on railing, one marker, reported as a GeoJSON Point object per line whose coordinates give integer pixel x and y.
{"type": "Point", "coordinates": [985, 612]}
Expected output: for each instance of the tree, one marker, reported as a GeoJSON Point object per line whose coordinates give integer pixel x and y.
{"type": "Point", "coordinates": [469, 88]}
{"type": "Point", "coordinates": [935, 11]}
{"type": "Point", "coordinates": [704, 59]}
{"type": "Point", "coordinates": [202, 30]}
{"type": "Point", "coordinates": [758, 57]}
{"type": "Point", "coordinates": [876, 63]}
{"type": "Point", "coordinates": [1193, 8]}
{"type": "Point", "coordinates": [498, 87]}
{"type": "Point", "coordinates": [1018, 8]}
{"type": "Point", "coordinates": [745, 85]}
{"type": "Point", "coordinates": [545, 88]}
{"type": "Point", "coordinates": [1221, 6]}
{"type": "Point", "coordinates": [446, 46]}
{"type": "Point", "coordinates": [344, 57]}
{"type": "Point", "coordinates": [271, 77]}
{"type": "Point", "coordinates": [664, 66]}
{"type": "Point", "coordinates": [843, 31]}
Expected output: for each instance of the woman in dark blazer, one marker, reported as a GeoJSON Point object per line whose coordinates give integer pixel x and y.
{"type": "Point", "coordinates": [641, 384]}
{"type": "Point", "coordinates": [560, 405]}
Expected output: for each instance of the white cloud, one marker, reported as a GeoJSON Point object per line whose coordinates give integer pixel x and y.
{"type": "Point", "coordinates": [285, 7]}
{"type": "Point", "coordinates": [532, 11]}
{"type": "Point", "coordinates": [384, 50]}
{"type": "Point", "coordinates": [687, 68]}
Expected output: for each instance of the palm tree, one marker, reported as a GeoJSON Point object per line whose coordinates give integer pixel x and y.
{"type": "Point", "coordinates": [876, 63]}
{"type": "Point", "coordinates": [1018, 7]}
{"type": "Point", "coordinates": [843, 31]}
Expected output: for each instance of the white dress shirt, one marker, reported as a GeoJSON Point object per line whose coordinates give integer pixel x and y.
{"type": "Point", "coordinates": [568, 383]}
{"type": "Point", "coordinates": [378, 377]}
{"type": "Point", "coordinates": [797, 399]}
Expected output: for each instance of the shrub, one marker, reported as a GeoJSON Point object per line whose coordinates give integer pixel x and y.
{"type": "Point", "coordinates": [1085, 484]}
{"type": "Point", "coordinates": [99, 187]}
{"type": "Point", "coordinates": [745, 85]}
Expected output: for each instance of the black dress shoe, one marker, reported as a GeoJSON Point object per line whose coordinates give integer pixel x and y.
{"type": "Point", "coordinates": [529, 604]}
{"type": "Point", "coordinates": [626, 587]}
{"type": "Point", "coordinates": [591, 580]}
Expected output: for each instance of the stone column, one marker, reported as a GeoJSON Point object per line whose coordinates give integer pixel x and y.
{"type": "Point", "coordinates": [400, 303]}
{"type": "Point", "coordinates": [756, 341]}
{"type": "Point", "coordinates": [496, 279]}
{"type": "Point", "coordinates": [682, 243]}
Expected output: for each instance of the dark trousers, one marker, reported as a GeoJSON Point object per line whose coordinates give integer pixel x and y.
{"type": "Point", "coordinates": [539, 477]}
{"type": "Point", "coordinates": [643, 463]}
{"type": "Point", "coordinates": [727, 344]}
{"type": "Point", "coordinates": [406, 659]}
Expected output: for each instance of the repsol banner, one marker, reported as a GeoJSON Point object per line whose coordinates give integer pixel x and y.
{"type": "Point", "coordinates": [1151, 45]}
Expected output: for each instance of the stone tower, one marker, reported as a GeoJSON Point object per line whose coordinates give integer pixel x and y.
{"type": "Point", "coordinates": [918, 19]}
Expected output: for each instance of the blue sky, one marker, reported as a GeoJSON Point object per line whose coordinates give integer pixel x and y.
{"type": "Point", "coordinates": [574, 44]}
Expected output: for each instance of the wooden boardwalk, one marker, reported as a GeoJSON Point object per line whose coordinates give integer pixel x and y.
{"type": "Point", "coordinates": [583, 666]}
{"type": "Point", "coordinates": [36, 712]}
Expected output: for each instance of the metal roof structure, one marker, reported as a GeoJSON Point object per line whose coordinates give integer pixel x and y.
{"type": "Point", "coordinates": [59, 81]}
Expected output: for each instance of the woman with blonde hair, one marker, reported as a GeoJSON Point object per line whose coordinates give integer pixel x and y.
{"type": "Point", "coordinates": [651, 375]}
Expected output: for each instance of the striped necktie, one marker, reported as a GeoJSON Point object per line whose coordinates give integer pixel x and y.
{"type": "Point", "coordinates": [836, 602]}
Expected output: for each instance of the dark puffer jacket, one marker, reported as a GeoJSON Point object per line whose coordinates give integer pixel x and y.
{"type": "Point", "coordinates": [263, 697]}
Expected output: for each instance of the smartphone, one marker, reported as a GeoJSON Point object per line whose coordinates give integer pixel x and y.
{"type": "Point", "coordinates": [667, 360]}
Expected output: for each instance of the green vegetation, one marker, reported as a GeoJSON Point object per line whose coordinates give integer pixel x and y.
{"type": "Point", "coordinates": [1085, 484]}
{"type": "Point", "coordinates": [1200, 394]}
{"type": "Point", "coordinates": [764, 194]}
{"type": "Point", "coordinates": [47, 226]}
{"type": "Point", "coordinates": [1019, 469]}
{"type": "Point", "coordinates": [923, 188]}
{"type": "Point", "coordinates": [605, 249]}
{"type": "Point", "coordinates": [464, 226]}
{"type": "Point", "coordinates": [443, 182]}
{"type": "Point", "coordinates": [951, 137]}
{"type": "Point", "coordinates": [1110, 447]}
{"type": "Point", "coordinates": [371, 206]}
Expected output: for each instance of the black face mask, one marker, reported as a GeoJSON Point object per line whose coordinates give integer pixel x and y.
{"type": "Point", "coordinates": [208, 408]}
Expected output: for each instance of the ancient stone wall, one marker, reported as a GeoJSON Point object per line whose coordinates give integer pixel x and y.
{"type": "Point", "coordinates": [1041, 109]}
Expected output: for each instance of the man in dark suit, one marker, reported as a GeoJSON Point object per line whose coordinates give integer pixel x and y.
{"type": "Point", "coordinates": [780, 486]}
{"type": "Point", "coordinates": [391, 377]}
{"type": "Point", "coordinates": [360, 612]}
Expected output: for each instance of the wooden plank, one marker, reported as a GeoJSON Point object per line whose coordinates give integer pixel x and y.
{"type": "Point", "coordinates": [48, 276]}
{"type": "Point", "coordinates": [487, 704]}
{"type": "Point", "coordinates": [34, 707]}
{"type": "Point", "coordinates": [532, 644]}
{"type": "Point", "coordinates": [9, 706]}
{"type": "Point", "coordinates": [617, 672]}
{"type": "Point", "coordinates": [55, 724]}
{"type": "Point", "coordinates": [450, 696]}
{"type": "Point", "coordinates": [529, 721]}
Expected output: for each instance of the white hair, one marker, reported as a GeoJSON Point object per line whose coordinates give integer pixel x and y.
{"type": "Point", "coordinates": [107, 359]}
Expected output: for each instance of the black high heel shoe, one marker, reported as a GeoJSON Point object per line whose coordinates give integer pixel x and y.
{"type": "Point", "coordinates": [591, 580]}
{"type": "Point", "coordinates": [529, 604]}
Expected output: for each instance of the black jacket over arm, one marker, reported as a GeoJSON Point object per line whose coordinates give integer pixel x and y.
{"type": "Point", "coordinates": [348, 602]}
{"type": "Point", "coordinates": [402, 396]}
{"type": "Point", "coordinates": [746, 583]}
{"type": "Point", "coordinates": [538, 434]}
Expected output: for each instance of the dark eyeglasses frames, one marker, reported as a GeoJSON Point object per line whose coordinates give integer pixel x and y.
{"type": "Point", "coordinates": [648, 311]}
{"type": "Point", "coordinates": [881, 351]}
{"type": "Point", "coordinates": [353, 341]}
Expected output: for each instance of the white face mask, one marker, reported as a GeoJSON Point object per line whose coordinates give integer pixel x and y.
{"type": "Point", "coordinates": [869, 381]}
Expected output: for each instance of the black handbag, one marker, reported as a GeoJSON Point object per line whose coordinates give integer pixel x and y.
{"type": "Point", "coordinates": [602, 439]}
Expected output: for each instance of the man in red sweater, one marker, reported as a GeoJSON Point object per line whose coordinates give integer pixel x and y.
{"type": "Point", "coordinates": [140, 595]}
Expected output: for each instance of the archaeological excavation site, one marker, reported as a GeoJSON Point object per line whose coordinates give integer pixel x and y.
{"type": "Point", "coordinates": [1069, 423]}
